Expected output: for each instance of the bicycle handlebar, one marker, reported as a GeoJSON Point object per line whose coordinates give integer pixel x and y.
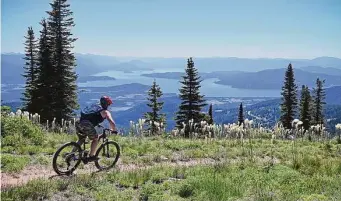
{"type": "Point", "coordinates": [111, 131]}
{"type": "Point", "coordinates": [104, 135]}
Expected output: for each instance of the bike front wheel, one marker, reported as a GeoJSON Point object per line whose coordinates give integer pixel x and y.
{"type": "Point", "coordinates": [108, 154]}
{"type": "Point", "coordinates": [67, 158]}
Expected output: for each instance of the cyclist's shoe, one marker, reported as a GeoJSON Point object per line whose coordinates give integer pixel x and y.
{"type": "Point", "coordinates": [92, 158]}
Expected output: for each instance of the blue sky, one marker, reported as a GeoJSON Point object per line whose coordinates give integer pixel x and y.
{"type": "Point", "coordinates": [182, 28]}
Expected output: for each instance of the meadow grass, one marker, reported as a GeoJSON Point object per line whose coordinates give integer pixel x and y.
{"type": "Point", "coordinates": [277, 170]}
{"type": "Point", "coordinates": [255, 168]}
{"type": "Point", "coordinates": [221, 182]}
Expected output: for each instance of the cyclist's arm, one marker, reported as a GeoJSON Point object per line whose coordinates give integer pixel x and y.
{"type": "Point", "coordinates": [110, 119]}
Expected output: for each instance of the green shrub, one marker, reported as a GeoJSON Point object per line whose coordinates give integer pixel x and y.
{"type": "Point", "coordinates": [34, 190]}
{"type": "Point", "coordinates": [5, 109]}
{"type": "Point", "coordinates": [13, 163]}
{"type": "Point", "coordinates": [16, 131]}
{"type": "Point", "coordinates": [186, 190]}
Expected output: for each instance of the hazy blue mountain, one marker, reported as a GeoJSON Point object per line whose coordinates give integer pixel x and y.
{"type": "Point", "coordinates": [12, 68]}
{"type": "Point", "coordinates": [89, 64]}
{"type": "Point", "coordinates": [100, 60]}
{"type": "Point", "coordinates": [333, 95]}
{"type": "Point", "coordinates": [319, 69]}
{"type": "Point", "coordinates": [273, 79]}
{"type": "Point", "coordinates": [177, 75]}
{"type": "Point", "coordinates": [168, 75]}
{"type": "Point", "coordinates": [134, 65]}
{"type": "Point", "coordinates": [93, 78]}
{"type": "Point", "coordinates": [326, 62]}
{"type": "Point", "coordinates": [243, 64]}
{"type": "Point", "coordinates": [266, 79]}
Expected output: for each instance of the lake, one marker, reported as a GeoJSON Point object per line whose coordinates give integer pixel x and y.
{"type": "Point", "coordinates": [208, 87]}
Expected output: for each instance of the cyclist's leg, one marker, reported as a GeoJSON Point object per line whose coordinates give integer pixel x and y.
{"type": "Point", "coordinates": [90, 131]}
{"type": "Point", "coordinates": [79, 132]}
{"type": "Point", "coordinates": [94, 137]}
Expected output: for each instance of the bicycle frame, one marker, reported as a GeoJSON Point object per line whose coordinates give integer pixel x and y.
{"type": "Point", "coordinates": [104, 138]}
{"type": "Point", "coordinates": [82, 155]}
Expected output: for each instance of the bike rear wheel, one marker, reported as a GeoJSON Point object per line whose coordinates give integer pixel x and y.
{"type": "Point", "coordinates": [67, 156]}
{"type": "Point", "coordinates": [108, 154]}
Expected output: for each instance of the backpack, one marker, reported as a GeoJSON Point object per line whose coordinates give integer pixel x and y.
{"type": "Point", "coordinates": [91, 110]}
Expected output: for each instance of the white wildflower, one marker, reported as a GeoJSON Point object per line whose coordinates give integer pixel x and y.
{"type": "Point", "coordinates": [157, 124]}
{"type": "Point", "coordinates": [291, 137]}
{"type": "Point", "coordinates": [18, 113]}
{"type": "Point", "coordinates": [338, 126]}
{"type": "Point", "coordinates": [246, 121]}
{"type": "Point", "coordinates": [26, 114]}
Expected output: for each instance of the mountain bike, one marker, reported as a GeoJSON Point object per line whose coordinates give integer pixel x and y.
{"type": "Point", "coordinates": [72, 154]}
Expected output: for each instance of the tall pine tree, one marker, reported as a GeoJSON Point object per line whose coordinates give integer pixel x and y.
{"type": "Point", "coordinates": [305, 107]}
{"type": "Point", "coordinates": [319, 97]}
{"type": "Point", "coordinates": [46, 74]}
{"type": "Point", "coordinates": [154, 94]}
{"type": "Point", "coordinates": [64, 86]}
{"type": "Point", "coordinates": [192, 101]}
{"type": "Point", "coordinates": [29, 99]}
{"type": "Point", "coordinates": [241, 115]}
{"type": "Point", "coordinates": [210, 114]}
{"type": "Point", "coordinates": [289, 98]}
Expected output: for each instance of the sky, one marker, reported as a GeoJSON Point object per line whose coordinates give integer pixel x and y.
{"type": "Point", "coordinates": [181, 28]}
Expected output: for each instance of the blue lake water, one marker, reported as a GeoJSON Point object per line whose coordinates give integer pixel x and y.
{"type": "Point", "coordinates": [208, 87]}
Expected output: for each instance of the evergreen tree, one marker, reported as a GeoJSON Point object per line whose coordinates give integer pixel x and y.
{"type": "Point", "coordinates": [241, 115]}
{"type": "Point", "coordinates": [289, 98]}
{"type": "Point", "coordinates": [29, 100]}
{"type": "Point", "coordinates": [192, 101]}
{"type": "Point", "coordinates": [210, 113]}
{"type": "Point", "coordinates": [154, 94]}
{"type": "Point", "coordinates": [64, 86]}
{"type": "Point", "coordinates": [45, 76]}
{"type": "Point", "coordinates": [305, 107]}
{"type": "Point", "coordinates": [319, 97]}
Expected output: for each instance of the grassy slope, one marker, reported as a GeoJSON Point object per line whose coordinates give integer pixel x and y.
{"type": "Point", "coordinates": [261, 170]}
{"type": "Point", "coordinates": [252, 169]}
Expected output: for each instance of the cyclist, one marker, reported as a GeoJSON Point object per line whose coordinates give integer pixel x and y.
{"type": "Point", "coordinates": [92, 116]}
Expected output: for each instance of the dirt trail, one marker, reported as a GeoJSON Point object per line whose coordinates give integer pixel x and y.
{"type": "Point", "coordinates": [34, 172]}
{"type": "Point", "coordinates": [9, 180]}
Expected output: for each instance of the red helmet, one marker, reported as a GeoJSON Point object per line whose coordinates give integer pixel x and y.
{"type": "Point", "coordinates": [105, 101]}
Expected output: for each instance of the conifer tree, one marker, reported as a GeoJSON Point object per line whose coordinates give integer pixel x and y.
{"type": "Point", "coordinates": [210, 113]}
{"type": "Point", "coordinates": [241, 115]}
{"type": "Point", "coordinates": [64, 86]}
{"type": "Point", "coordinates": [192, 101]}
{"type": "Point", "coordinates": [305, 107]}
{"type": "Point", "coordinates": [289, 98]}
{"type": "Point", "coordinates": [29, 99]}
{"type": "Point", "coordinates": [319, 97]}
{"type": "Point", "coordinates": [45, 75]}
{"type": "Point", "coordinates": [154, 94]}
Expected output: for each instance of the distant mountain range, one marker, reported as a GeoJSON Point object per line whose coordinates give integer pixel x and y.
{"type": "Point", "coordinates": [89, 64]}
{"type": "Point", "coordinates": [319, 69]}
{"type": "Point", "coordinates": [265, 79]}
{"type": "Point", "coordinates": [130, 104]}
{"type": "Point", "coordinates": [93, 78]}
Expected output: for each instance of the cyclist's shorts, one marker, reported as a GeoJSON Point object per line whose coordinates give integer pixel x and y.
{"type": "Point", "coordinates": [86, 129]}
